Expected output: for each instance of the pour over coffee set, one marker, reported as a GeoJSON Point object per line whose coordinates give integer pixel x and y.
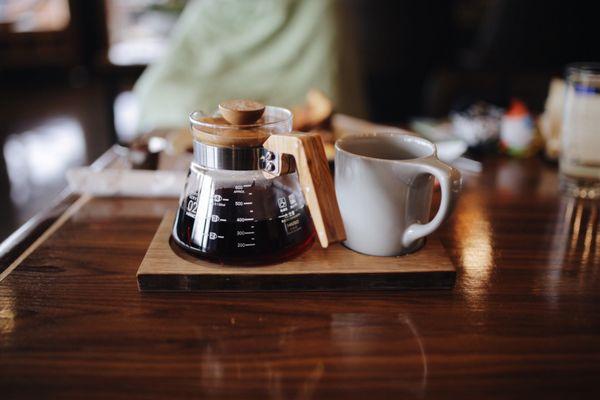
{"type": "Point", "coordinates": [258, 193]}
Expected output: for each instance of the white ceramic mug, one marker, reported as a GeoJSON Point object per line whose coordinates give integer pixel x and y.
{"type": "Point", "coordinates": [384, 183]}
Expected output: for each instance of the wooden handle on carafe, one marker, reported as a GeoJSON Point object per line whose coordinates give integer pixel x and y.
{"type": "Point", "coordinates": [315, 180]}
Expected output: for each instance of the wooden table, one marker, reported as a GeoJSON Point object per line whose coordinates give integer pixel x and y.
{"type": "Point", "coordinates": [522, 321]}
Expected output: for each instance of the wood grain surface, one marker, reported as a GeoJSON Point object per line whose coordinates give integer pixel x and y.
{"type": "Point", "coordinates": [168, 267]}
{"type": "Point", "coordinates": [523, 320]}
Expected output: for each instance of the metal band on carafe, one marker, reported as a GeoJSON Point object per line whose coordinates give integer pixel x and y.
{"type": "Point", "coordinates": [229, 158]}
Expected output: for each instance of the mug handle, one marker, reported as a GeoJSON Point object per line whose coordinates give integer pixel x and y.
{"type": "Point", "coordinates": [450, 182]}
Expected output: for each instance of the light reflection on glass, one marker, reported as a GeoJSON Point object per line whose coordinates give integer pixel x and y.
{"type": "Point", "coordinates": [37, 160]}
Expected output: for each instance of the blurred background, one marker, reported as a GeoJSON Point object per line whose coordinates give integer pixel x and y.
{"type": "Point", "coordinates": [68, 68]}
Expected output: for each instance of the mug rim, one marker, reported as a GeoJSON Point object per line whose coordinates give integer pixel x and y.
{"type": "Point", "coordinates": [402, 136]}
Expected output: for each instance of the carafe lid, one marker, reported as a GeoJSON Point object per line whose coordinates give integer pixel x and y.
{"type": "Point", "coordinates": [240, 123]}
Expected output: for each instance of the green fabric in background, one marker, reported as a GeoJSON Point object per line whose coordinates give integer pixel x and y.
{"type": "Point", "coordinates": [273, 51]}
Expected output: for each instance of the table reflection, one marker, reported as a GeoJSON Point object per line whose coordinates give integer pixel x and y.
{"type": "Point", "coordinates": [473, 231]}
{"type": "Point", "coordinates": [293, 364]}
{"type": "Point", "coordinates": [575, 245]}
{"type": "Point", "coordinates": [7, 314]}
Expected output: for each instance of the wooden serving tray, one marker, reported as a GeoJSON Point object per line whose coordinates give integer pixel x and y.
{"type": "Point", "coordinates": [166, 267]}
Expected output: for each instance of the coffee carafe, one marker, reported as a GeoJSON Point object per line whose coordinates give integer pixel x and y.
{"type": "Point", "coordinates": [256, 192]}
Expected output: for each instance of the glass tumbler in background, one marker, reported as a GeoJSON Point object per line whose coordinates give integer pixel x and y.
{"type": "Point", "coordinates": [580, 147]}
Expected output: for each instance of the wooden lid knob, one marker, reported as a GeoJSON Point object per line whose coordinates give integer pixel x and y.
{"type": "Point", "coordinates": [241, 112]}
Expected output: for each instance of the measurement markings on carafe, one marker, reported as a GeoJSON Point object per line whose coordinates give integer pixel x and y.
{"type": "Point", "coordinates": [245, 233]}
{"type": "Point", "coordinates": [219, 201]}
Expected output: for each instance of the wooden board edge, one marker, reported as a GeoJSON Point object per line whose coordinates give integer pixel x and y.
{"type": "Point", "coordinates": [293, 282]}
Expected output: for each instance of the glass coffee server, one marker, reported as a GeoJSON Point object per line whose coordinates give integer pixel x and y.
{"type": "Point", "coordinates": [580, 137]}
{"type": "Point", "coordinates": [255, 191]}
